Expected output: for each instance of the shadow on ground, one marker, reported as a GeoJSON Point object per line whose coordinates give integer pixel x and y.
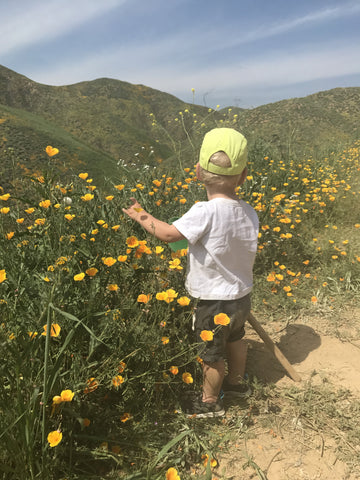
{"type": "Point", "coordinates": [296, 344]}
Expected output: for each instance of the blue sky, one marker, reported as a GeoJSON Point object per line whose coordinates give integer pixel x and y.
{"type": "Point", "coordinates": [232, 52]}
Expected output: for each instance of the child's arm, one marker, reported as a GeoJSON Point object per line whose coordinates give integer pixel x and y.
{"type": "Point", "coordinates": [161, 230]}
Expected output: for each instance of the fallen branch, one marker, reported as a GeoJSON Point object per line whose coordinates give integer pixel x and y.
{"type": "Point", "coordinates": [273, 348]}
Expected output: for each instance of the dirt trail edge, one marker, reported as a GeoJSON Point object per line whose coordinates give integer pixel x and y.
{"type": "Point", "coordinates": [308, 429]}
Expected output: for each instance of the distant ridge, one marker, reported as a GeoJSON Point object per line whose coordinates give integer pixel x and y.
{"type": "Point", "coordinates": [318, 121]}
{"type": "Point", "coordinates": [103, 120]}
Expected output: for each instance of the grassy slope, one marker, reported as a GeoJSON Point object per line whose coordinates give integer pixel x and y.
{"type": "Point", "coordinates": [28, 134]}
{"type": "Point", "coordinates": [112, 117]}
{"type": "Point", "coordinates": [310, 124]}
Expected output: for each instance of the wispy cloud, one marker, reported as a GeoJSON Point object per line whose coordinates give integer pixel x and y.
{"type": "Point", "coordinates": [273, 70]}
{"type": "Point", "coordinates": [268, 30]}
{"type": "Point", "coordinates": [24, 23]}
{"type": "Point", "coordinates": [234, 55]}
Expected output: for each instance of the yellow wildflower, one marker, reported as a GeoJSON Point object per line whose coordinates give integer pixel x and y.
{"type": "Point", "coordinates": [54, 330]}
{"type": "Point", "coordinates": [45, 204]}
{"type": "Point", "coordinates": [57, 400]}
{"type": "Point", "coordinates": [92, 384]}
{"type": "Point", "coordinates": [91, 271]}
{"type": "Point", "coordinates": [125, 417]}
{"type": "Point", "coordinates": [206, 335]}
{"type": "Point", "coordinates": [79, 277]}
{"type": "Point", "coordinates": [144, 298]}
{"type": "Point", "coordinates": [187, 378]}
{"type": "Point", "coordinates": [87, 197]}
{"type": "Point", "coordinates": [174, 370]}
{"type": "Point", "coordinates": [109, 261]}
{"type": "Point", "coordinates": [160, 296]}
{"type": "Point", "coordinates": [117, 381]}
{"type": "Point", "coordinates": [66, 395]}
{"type": "Point", "coordinates": [170, 295]}
{"type": "Point", "coordinates": [55, 437]}
{"type": "Point", "coordinates": [172, 474]}
{"type": "Point", "coordinates": [132, 242]}
{"type": "Point", "coordinates": [221, 319]}
{"type": "Point", "coordinates": [175, 264]}
{"type": "Point", "coordinates": [183, 301]}
{"type": "Point", "coordinates": [121, 367]}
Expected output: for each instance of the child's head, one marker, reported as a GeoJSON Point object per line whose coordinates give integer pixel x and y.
{"type": "Point", "coordinates": [223, 157]}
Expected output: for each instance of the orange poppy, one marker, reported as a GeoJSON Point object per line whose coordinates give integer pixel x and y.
{"type": "Point", "coordinates": [221, 319]}
{"type": "Point", "coordinates": [206, 335]}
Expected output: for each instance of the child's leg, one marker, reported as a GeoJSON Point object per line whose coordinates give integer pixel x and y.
{"type": "Point", "coordinates": [213, 374]}
{"type": "Point", "coordinates": [237, 353]}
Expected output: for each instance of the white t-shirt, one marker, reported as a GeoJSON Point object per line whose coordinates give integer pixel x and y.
{"type": "Point", "coordinates": [222, 235]}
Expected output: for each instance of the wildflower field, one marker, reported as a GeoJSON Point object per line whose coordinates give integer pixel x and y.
{"type": "Point", "coordinates": [95, 331]}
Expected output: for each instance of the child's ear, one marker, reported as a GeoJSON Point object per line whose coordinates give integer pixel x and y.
{"type": "Point", "coordinates": [197, 171]}
{"type": "Point", "coordinates": [243, 176]}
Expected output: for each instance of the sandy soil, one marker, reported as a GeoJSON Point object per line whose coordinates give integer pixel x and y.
{"type": "Point", "coordinates": [320, 351]}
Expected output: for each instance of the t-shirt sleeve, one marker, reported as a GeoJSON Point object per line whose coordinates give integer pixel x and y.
{"type": "Point", "coordinates": [194, 223]}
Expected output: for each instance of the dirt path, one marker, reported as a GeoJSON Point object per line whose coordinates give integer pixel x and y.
{"type": "Point", "coordinates": [296, 435]}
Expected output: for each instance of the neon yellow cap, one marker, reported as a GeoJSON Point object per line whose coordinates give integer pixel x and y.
{"type": "Point", "coordinates": [227, 140]}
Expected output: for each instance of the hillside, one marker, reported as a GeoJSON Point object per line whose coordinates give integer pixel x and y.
{"type": "Point", "coordinates": [101, 121]}
{"type": "Point", "coordinates": [324, 119]}
{"type": "Point", "coordinates": [24, 135]}
{"type": "Point", "coordinates": [110, 115]}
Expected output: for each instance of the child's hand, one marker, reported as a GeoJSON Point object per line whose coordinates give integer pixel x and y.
{"type": "Point", "coordinates": [161, 230]}
{"type": "Point", "coordinates": [134, 209]}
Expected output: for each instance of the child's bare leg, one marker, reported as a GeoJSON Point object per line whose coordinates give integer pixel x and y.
{"type": "Point", "coordinates": [213, 373]}
{"type": "Point", "coordinates": [237, 353]}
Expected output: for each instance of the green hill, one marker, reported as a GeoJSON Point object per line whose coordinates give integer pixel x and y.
{"type": "Point", "coordinates": [97, 123]}
{"type": "Point", "coordinates": [110, 115]}
{"type": "Point", "coordinates": [311, 124]}
{"type": "Point", "coordinates": [25, 135]}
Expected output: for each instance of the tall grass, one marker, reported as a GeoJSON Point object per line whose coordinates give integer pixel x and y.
{"type": "Point", "coordinates": [92, 304]}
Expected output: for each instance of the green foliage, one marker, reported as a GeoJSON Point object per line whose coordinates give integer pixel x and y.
{"type": "Point", "coordinates": [106, 121]}
{"type": "Point", "coordinates": [93, 304]}
{"type": "Point", "coordinates": [26, 133]}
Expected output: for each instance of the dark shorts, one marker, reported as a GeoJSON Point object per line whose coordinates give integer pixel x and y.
{"type": "Point", "coordinates": [237, 310]}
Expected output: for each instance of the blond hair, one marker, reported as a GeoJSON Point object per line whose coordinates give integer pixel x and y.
{"type": "Point", "coordinates": [221, 182]}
